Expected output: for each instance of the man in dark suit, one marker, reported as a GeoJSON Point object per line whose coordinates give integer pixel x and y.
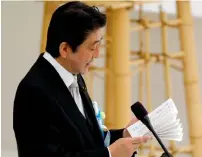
{"type": "Point", "coordinates": [53, 113]}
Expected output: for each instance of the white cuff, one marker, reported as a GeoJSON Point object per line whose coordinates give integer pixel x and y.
{"type": "Point", "coordinates": [109, 152]}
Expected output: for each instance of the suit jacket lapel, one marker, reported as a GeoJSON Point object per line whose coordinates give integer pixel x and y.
{"type": "Point", "coordinates": [73, 112]}
{"type": "Point", "coordinates": [57, 90]}
{"type": "Point", "coordinates": [90, 110]}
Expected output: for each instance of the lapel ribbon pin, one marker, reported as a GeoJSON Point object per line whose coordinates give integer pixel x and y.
{"type": "Point", "coordinates": [100, 118]}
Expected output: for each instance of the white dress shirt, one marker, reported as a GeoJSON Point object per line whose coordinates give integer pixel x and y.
{"type": "Point", "coordinates": [66, 76]}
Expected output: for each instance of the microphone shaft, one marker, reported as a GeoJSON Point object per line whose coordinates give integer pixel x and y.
{"type": "Point", "coordinates": [160, 142]}
{"type": "Point", "coordinates": [147, 122]}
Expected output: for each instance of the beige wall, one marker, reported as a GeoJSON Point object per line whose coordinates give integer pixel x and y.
{"type": "Point", "coordinates": [21, 28]}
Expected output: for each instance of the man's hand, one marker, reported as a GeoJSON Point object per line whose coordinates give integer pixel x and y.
{"type": "Point", "coordinates": [125, 131]}
{"type": "Point", "coordinates": [125, 147]}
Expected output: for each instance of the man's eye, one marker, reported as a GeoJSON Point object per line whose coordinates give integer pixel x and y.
{"type": "Point", "coordinates": [93, 49]}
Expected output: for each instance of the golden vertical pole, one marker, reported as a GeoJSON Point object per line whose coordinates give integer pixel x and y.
{"type": "Point", "coordinates": [191, 78]}
{"type": "Point", "coordinates": [165, 52]}
{"type": "Point", "coordinates": [148, 81]}
{"type": "Point", "coordinates": [109, 81]}
{"type": "Point", "coordinates": [49, 8]}
{"type": "Point", "coordinates": [89, 78]}
{"type": "Point", "coordinates": [141, 73]}
{"type": "Point", "coordinates": [167, 77]}
{"type": "Point", "coordinates": [148, 73]}
{"type": "Point", "coordinates": [141, 52]}
{"type": "Point", "coordinates": [118, 28]}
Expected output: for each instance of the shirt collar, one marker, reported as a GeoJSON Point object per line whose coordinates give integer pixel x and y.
{"type": "Point", "coordinates": [66, 76]}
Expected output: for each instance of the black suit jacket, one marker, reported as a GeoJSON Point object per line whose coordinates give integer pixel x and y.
{"type": "Point", "coordinates": [47, 122]}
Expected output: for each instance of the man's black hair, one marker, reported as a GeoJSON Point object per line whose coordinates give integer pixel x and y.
{"type": "Point", "coordinates": [72, 23]}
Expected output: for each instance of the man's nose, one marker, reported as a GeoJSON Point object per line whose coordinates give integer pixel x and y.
{"type": "Point", "coordinates": [97, 53]}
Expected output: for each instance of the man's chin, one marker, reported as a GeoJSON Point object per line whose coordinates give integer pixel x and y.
{"type": "Point", "coordinates": [85, 71]}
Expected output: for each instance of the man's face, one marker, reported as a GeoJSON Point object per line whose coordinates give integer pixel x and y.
{"type": "Point", "coordinates": [81, 60]}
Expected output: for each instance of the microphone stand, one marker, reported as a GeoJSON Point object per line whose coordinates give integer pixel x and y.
{"type": "Point", "coordinates": [147, 122]}
{"type": "Point", "coordinates": [165, 155]}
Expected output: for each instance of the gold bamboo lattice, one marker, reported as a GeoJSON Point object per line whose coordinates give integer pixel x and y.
{"type": "Point", "coordinates": [118, 62]}
{"type": "Point", "coordinates": [182, 23]}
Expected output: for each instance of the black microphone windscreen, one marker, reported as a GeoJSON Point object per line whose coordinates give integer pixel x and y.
{"type": "Point", "coordinates": [142, 114]}
{"type": "Point", "coordinates": [139, 110]}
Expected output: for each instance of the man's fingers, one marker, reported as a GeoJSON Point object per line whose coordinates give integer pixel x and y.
{"type": "Point", "coordinates": [136, 147]}
{"type": "Point", "coordinates": [134, 120]}
{"type": "Point", "coordinates": [141, 139]}
{"type": "Point", "coordinates": [146, 138]}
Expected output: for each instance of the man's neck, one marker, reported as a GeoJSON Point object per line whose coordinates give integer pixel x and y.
{"type": "Point", "coordinates": [66, 65]}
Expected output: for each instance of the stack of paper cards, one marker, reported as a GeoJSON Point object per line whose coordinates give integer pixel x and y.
{"type": "Point", "coordinates": [164, 121]}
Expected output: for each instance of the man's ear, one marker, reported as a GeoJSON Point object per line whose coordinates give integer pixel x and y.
{"type": "Point", "coordinates": [64, 50]}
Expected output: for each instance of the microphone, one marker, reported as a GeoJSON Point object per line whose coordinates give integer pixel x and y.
{"type": "Point", "coordinates": [142, 114]}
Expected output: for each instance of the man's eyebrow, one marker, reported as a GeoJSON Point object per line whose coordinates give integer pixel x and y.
{"type": "Point", "coordinates": [97, 41]}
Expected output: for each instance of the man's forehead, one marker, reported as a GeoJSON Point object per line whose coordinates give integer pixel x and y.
{"type": "Point", "coordinates": [96, 35]}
